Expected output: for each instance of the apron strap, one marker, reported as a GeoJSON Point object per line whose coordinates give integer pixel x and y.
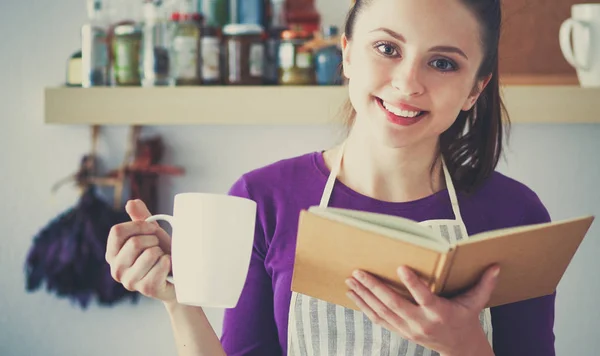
{"type": "Point", "coordinates": [335, 170]}
{"type": "Point", "coordinates": [451, 192]}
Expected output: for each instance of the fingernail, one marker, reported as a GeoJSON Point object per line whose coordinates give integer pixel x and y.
{"type": "Point", "coordinates": [402, 273]}
{"type": "Point", "coordinates": [350, 283]}
{"type": "Point", "coordinates": [359, 275]}
{"type": "Point", "coordinates": [496, 272]}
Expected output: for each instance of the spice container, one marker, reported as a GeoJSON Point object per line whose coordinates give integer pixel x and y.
{"type": "Point", "coordinates": [210, 44]}
{"type": "Point", "coordinates": [328, 60]}
{"type": "Point", "coordinates": [94, 63]}
{"type": "Point", "coordinates": [296, 64]}
{"type": "Point", "coordinates": [244, 54]}
{"type": "Point", "coordinates": [216, 12]}
{"type": "Point", "coordinates": [271, 75]}
{"type": "Point", "coordinates": [155, 66]}
{"type": "Point", "coordinates": [303, 13]}
{"type": "Point", "coordinates": [126, 43]}
{"type": "Point", "coordinates": [186, 49]}
{"type": "Point", "coordinates": [250, 12]}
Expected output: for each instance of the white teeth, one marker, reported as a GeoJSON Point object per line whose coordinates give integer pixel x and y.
{"type": "Point", "coordinates": [403, 113]}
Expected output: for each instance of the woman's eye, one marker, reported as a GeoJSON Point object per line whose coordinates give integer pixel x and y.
{"type": "Point", "coordinates": [387, 49]}
{"type": "Point", "coordinates": [443, 65]}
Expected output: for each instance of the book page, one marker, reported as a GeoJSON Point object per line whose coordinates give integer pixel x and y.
{"type": "Point", "coordinates": [388, 225]}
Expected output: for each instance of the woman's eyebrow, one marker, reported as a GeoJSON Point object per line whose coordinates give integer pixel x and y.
{"type": "Point", "coordinates": [446, 49]}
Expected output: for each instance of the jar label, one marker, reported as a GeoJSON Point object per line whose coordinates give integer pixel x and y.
{"type": "Point", "coordinates": [210, 58]}
{"type": "Point", "coordinates": [257, 59]}
{"type": "Point", "coordinates": [234, 49]}
{"type": "Point", "coordinates": [304, 60]}
{"type": "Point", "coordinates": [186, 57]}
{"type": "Point", "coordinates": [286, 55]}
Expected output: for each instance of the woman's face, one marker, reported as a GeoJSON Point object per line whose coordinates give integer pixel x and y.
{"type": "Point", "coordinates": [412, 67]}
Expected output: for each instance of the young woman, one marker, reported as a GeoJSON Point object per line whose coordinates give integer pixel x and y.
{"type": "Point", "coordinates": [425, 135]}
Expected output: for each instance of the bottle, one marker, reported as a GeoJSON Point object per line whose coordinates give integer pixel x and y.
{"type": "Point", "coordinates": [155, 61]}
{"type": "Point", "coordinates": [94, 47]}
{"type": "Point", "coordinates": [328, 60]}
{"type": "Point", "coordinates": [186, 50]}
{"type": "Point", "coordinates": [302, 13]}
{"type": "Point", "coordinates": [74, 71]}
{"type": "Point", "coordinates": [251, 12]}
{"type": "Point", "coordinates": [210, 44]}
{"type": "Point", "coordinates": [215, 12]}
{"type": "Point", "coordinates": [278, 17]}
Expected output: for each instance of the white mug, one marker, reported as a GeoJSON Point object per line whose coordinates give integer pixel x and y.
{"type": "Point", "coordinates": [212, 238]}
{"type": "Point", "coordinates": [584, 51]}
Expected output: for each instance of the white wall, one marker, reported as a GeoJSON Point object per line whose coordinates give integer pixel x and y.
{"type": "Point", "coordinates": [559, 162]}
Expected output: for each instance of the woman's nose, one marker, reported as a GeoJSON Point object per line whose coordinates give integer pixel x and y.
{"type": "Point", "coordinates": [406, 79]}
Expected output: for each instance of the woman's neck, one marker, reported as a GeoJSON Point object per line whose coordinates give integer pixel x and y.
{"type": "Point", "coordinates": [389, 174]}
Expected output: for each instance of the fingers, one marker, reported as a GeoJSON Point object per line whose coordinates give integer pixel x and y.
{"type": "Point", "coordinates": [420, 292]}
{"type": "Point", "coordinates": [141, 266]}
{"type": "Point", "coordinates": [120, 233]}
{"type": "Point", "coordinates": [133, 249]}
{"type": "Point", "coordinates": [386, 304]}
{"type": "Point", "coordinates": [368, 311]}
{"type": "Point", "coordinates": [477, 297]}
{"type": "Point", "coordinates": [154, 284]}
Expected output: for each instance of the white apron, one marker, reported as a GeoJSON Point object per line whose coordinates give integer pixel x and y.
{"type": "Point", "coordinates": [319, 328]}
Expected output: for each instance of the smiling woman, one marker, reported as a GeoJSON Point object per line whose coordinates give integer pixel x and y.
{"type": "Point", "coordinates": [425, 134]}
{"type": "Point", "coordinates": [450, 73]}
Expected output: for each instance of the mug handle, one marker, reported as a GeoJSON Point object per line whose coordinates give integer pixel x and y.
{"type": "Point", "coordinates": [566, 46]}
{"type": "Point", "coordinates": [171, 221]}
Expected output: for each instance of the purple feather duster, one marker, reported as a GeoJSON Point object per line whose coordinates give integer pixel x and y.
{"type": "Point", "coordinates": [69, 254]}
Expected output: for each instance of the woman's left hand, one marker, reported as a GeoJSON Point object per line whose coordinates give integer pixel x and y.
{"type": "Point", "coordinates": [448, 326]}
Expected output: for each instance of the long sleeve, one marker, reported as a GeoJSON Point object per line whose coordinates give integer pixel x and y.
{"type": "Point", "coordinates": [249, 328]}
{"type": "Point", "coordinates": [526, 328]}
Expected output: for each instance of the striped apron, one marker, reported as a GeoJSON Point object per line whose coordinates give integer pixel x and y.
{"type": "Point", "coordinates": [319, 328]}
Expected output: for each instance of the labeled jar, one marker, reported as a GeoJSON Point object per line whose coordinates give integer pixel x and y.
{"type": "Point", "coordinates": [186, 50]}
{"type": "Point", "coordinates": [296, 64]}
{"type": "Point", "coordinates": [127, 43]}
{"type": "Point", "coordinates": [244, 54]}
{"type": "Point", "coordinates": [210, 44]}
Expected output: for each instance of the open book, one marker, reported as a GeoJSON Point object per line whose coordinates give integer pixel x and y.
{"type": "Point", "coordinates": [333, 242]}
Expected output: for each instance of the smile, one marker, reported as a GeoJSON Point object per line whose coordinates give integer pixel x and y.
{"type": "Point", "coordinates": [400, 116]}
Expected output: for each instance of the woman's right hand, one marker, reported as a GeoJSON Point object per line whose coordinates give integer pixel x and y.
{"type": "Point", "coordinates": [139, 254]}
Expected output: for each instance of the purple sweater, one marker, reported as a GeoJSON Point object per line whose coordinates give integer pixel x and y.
{"type": "Point", "coordinates": [258, 325]}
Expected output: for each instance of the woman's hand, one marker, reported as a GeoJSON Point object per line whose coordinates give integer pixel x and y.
{"type": "Point", "coordinates": [138, 254]}
{"type": "Point", "coordinates": [448, 326]}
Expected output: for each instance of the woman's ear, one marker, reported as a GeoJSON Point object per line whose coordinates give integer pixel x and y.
{"type": "Point", "coordinates": [477, 90]}
{"type": "Point", "coordinates": [345, 43]}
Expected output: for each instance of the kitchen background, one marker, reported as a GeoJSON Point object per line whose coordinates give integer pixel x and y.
{"type": "Point", "coordinates": [559, 162]}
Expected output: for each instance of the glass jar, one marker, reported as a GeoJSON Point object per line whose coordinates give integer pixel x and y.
{"type": "Point", "coordinates": [244, 55]}
{"type": "Point", "coordinates": [186, 49]}
{"type": "Point", "coordinates": [296, 64]}
{"type": "Point", "coordinates": [328, 60]}
{"type": "Point", "coordinates": [210, 44]}
{"type": "Point", "coordinates": [303, 13]}
{"type": "Point", "coordinates": [272, 42]}
{"type": "Point", "coordinates": [127, 43]}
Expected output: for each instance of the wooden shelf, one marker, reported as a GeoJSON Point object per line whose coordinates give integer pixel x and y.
{"type": "Point", "coordinates": [279, 105]}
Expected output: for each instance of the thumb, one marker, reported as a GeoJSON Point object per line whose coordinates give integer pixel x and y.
{"type": "Point", "coordinates": [478, 296]}
{"type": "Point", "coordinates": [137, 210]}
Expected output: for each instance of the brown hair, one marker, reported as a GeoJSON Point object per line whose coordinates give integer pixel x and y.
{"type": "Point", "coordinates": [472, 146]}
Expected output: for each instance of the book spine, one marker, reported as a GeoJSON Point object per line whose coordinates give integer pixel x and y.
{"type": "Point", "coordinates": [442, 270]}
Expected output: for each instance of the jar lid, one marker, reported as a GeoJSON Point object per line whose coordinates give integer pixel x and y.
{"type": "Point", "coordinates": [125, 30]}
{"type": "Point", "coordinates": [236, 29]}
{"type": "Point", "coordinates": [295, 34]}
